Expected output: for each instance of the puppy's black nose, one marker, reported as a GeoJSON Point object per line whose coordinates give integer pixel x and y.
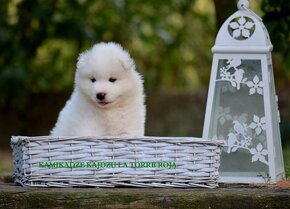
{"type": "Point", "coordinates": [101, 96]}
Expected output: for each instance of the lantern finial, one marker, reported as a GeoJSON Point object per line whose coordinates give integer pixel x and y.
{"type": "Point", "coordinates": [243, 4]}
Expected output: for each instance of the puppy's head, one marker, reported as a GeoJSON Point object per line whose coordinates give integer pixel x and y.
{"type": "Point", "coordinates": [106, 75]}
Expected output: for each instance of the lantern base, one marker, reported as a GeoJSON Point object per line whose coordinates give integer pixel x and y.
{"type": "Point", "coordinates": [228, 177]}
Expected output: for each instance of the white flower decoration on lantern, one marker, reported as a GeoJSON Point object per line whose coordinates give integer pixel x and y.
{"type": "Point", "coordinates": [259, 154]}
{"type": "Point", "coordinates": [244, 136]}
{"type": "Point", "coordinates": [241, 28]}
{"type": "Point", "coordinates": [258, 124]}
{"type": "Point", "coordinates": [234, 73]}
{"type": "Point", "coordinates": [223, 114]}
{"type": "Point", "coordinates": [256, 86]}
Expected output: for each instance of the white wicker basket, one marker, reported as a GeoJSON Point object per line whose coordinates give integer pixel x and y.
{"type": "Point", "coordinates": [109, 162]}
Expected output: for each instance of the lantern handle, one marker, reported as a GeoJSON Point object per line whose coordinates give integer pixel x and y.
{"type": "Point", "coordinates": [244, 5]}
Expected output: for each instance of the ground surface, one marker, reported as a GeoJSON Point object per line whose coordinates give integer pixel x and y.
{"type": "Point", "coordinates": [225, 197]}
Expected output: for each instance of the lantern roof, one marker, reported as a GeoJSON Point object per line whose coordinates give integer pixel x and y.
{"type": "Point", "coordinates": [243, 32]}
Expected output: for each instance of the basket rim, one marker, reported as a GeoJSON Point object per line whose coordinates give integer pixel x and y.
{"type": "Point", "coordinates": [164, 139]}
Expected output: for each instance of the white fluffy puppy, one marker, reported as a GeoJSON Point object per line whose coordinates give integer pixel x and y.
{"type": "Point", "coordinates": [108, 97]}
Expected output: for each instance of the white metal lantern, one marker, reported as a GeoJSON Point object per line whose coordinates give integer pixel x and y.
{"type": "Point", "coordinates": [242, 104]}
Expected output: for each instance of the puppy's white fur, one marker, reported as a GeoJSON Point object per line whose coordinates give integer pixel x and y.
{"type": "Point", "coordinates": [121, 112]}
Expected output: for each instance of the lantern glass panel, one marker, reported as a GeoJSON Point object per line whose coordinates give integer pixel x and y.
{"type": "Point", "coordinates": [239, 117]}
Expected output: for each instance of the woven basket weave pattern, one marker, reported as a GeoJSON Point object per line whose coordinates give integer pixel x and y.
{"type": "Point", "coordinates": [169, 161]}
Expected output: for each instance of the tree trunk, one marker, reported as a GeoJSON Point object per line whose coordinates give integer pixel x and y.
{"type": "Point", "coordinates": [223, 9]}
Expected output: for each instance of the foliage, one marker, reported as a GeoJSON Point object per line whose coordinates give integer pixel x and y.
{"type": "Point", "coordinates": [277, 19]}
{"type": "Point", "coordinates": [286, 156]}
{"type": "Point", "coordinates": [170, 41]}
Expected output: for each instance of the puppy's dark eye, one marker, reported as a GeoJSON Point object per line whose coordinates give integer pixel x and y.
{"type": "Point", "coordinates": [93, 80]}
{"type": "Point", "coordinates": [112, 80]}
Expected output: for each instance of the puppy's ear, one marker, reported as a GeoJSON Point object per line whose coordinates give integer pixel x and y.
{"type": "Point", "coordinates": [82, 59]}
{"type": "Point", "coordinates": [127, 64]}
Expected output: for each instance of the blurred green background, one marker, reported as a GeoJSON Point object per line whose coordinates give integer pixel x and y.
{"type": "Point", "coordinates": [170, 41]}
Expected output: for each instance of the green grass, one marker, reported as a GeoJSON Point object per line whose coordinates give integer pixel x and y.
{"type": "Point", "coordinates": [286, 155]}
{"type": "Point", "coordinates": [6, 163]}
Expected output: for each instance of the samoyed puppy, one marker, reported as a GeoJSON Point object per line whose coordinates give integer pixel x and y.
{"type": "Point", "coordinates": [108, 96]}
